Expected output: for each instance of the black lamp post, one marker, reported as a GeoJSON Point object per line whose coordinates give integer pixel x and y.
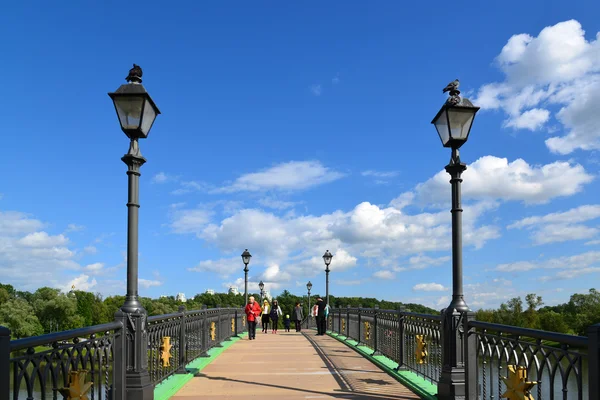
{"type": "Point", "coordinates": [136, 112]}
{"type": "Point", "coordinates": [453, 123]}
{"type": "Point", "coordinates": [246, 259]}
{"type": "Point", "coordinates": [261, 286]}
{"type": "Point", "coordinates": [308, 286]}
{"type": "Point", "coordinates": [327, 258]}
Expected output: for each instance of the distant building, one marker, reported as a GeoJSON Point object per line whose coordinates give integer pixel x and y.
{"type": "Point", "coordinates": [233, 290]}
{"type": "Point", "coordinates": [180, 297]}
{"type": "Point", "coordinates": [267, 295]}
{"type": "Point", "coordinates": [210, 291]}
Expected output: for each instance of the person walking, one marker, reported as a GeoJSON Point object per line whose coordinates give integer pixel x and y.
{"type": "Point", "coordinates": [321, 322]}
{"type": "Point", "coordinates": [265, 316]}
{"type": "Point", "coordinates": [298, 316]}
{"type": "Point", "coordinates": [286, 322]}
{"type": "Point", "coordinates": [252, 312]}
{"type": "Point", "coordinates": [275, 314]}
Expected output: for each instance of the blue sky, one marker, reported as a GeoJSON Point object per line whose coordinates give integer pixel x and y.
{"type": "Point", "coordinates": [290, 129]}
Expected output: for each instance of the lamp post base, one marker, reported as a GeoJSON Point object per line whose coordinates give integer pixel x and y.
{"type": "Point", "coordinates": [139, 386]}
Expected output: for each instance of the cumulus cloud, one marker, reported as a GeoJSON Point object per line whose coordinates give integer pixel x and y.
{"type": "Point", "coordinates": [430, 287]}
{"type": "Point", "coordinates": [293, 175]}
{"type": "Point", "coordinates": [384, 274]}
{"type": "Point", "coordinates": [189, 221]}
{"type": "Point", "coordinates": [75, 228]}
{"type": "Point", "coordinates": [560, 226]}
{"type": "Point", "coordinates": [496, 178]}
{"type": "Point", "coordinates": [147, 283]}
{"type": "Point", "coordinates": [276, 204]}
{"type": "Point", "coordinates": [82, 282]}
{"type": "Point", "coordinates": [570, 265]}
{"type": "Point", "coordinates": [224, 266]}
{"type": "Point", "coordinates": [161, 177]}
{"type": "Point", "coordinates": [559, 67]}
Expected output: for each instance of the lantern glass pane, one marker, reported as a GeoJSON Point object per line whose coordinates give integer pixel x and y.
{"type": "Point", "coordinates": [129, 110]}
{"type": "Point", "coordinates": [460, 122]}
{"type": "Point", "coordinates": [148, 117]}
{"type": "Point", "coordinates": [441, 124]}
{"type": "Point", "coordinates": [246, 259]}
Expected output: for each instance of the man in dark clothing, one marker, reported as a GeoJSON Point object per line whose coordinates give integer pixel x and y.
{"type": "Point", "coordinates": [321, 322]}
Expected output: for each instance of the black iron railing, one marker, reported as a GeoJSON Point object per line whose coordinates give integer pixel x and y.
{"type": "Point", "coordinates": [40, 367]}
{"type": "Point", "coordinates": [553, 365]}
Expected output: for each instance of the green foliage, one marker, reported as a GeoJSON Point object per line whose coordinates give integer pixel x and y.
{"type": "Point", "coordinates": [49, 310]}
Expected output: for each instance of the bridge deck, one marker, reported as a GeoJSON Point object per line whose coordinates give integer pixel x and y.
{"type": "Point", "coordinates": [292, 365]}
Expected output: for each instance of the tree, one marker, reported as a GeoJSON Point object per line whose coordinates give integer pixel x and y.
{"type": "Point", "coordinates": [19, 316]}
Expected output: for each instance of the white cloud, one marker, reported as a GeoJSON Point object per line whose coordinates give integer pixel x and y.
{"type": "Point", "coordinates": [271, 202]}
{"type": "Point", "coordinates": [147, 283]}
{"type": "Point", "coordinates": [90, 249]}
{"type": "Point", "coordinates": [578, 262]}
{"type": "Point", "coordinates": [74, 228]}
{"type": "Point", "coordinates": [495, 178]}
{"type": "Point", "coordinates": [189, 221]}
{"type": "Point", "coordinates": [351, 282]}
{"type": "Point", "coordinates": [558, 67]}
{"type": "Point", "coordinates": [384, 274]}
{"type": "Point", "coordinates": [380, 174]}
{"type": "Point", "coordinates": [224, 266]}
{"type": "Point", "coordinates": [293, 175]}
{"type": "Point", "coordinates": [82, 282]}
{"type": "Point", "coordinates": [42, 239]}
{"type": "Point", "coordinates": [561, 226]}
{"type": "Point", "coordinates": [430, 287]}
{"type": "Point", "coordinates": [161, 177]}
{"type": "Point", "coordinates": [316, 89]}
{"type": "Point", "coordinates": [94, 269]}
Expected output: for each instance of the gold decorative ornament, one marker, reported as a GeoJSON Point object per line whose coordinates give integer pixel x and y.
{"type": "Point", "coordinates": [165, 351]}
{"type": "Point", "coordinates": [421, 350]}
{"type": "Point", "coordinates": [232, 324]}
{"type": "Point", "coordinates": [367, 330]}
{"type": "Point", "coordinates": [243, 320]}
{"type": "Point", "coordinates": [517, 387]}
{"type": "Point", "coordinates": [77, 387]}
{"type": "Point", "coordinates": [343, 325]}
{"type": "Point", "coordinates": [213, 330]}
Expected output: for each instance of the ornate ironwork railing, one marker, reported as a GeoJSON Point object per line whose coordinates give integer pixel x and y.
{"type": "Point", "coordinates": [506, 360]}
{"type": "Point", "coordinates": [45, 367]}
{"type": "Point", "coordinates": [553, 365]}
{"type": "Point", "coordinates": [394, 334]}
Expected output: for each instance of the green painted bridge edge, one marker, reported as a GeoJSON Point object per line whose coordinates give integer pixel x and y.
{"type": "Point", "coordinates": [418, 385]}
{"type": "Point", "coordinates": [170, 386]}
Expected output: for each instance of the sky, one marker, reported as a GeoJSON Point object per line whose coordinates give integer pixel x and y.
{"type": "Point", "coordinates": [293, 128]}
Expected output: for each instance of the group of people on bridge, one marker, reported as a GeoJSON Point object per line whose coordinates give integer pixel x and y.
{"type": "Point", "coordinates": [271, 314]}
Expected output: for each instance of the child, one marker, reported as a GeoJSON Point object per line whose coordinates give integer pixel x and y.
{"type": "Point", "coordinates": [286, 322]}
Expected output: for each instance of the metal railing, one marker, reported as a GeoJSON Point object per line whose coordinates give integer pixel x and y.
{"type": "Point", "coordinates": [552, 365]}
{"type": "Point", "coordinates": [41, 367]}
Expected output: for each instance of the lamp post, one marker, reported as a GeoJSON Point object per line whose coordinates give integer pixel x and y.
{"type": "Point", "coordinates": [261, 286]}
{"type": "Point", "coordinates": [136, 112]}
{"type": "Point", "coordinates": [246, 259]}
{"type": "Point", "coordinates": [308, 286]}
{"type": "Point", "coordinates": [453, 123]}
{"type": "Point", "coordinates": [327, 258]}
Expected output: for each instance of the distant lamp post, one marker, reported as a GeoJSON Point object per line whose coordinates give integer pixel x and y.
{"type": "Point", "coordinates": [246, 256]}
{"type": "Point", "coordinates": [327, 258]}
{"type": "Point", "coordinates": [309, 287]}
{"type": "Point", "coordinates": [136, 112]}
{"type": "Point", "coordinates": [453, 123]}
{"type": "Point", "coordinates": [261, 286]}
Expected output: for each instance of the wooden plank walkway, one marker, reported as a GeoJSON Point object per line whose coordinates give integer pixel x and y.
{"type": "Point", "coordinates": [291, 365]}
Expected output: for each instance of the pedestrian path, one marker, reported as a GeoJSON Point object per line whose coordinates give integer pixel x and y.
{"type": "Point", "coordinates": [291, 365]}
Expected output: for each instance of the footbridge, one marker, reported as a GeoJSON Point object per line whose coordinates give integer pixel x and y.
{"type": "Point", "coordinates": [366, 354]}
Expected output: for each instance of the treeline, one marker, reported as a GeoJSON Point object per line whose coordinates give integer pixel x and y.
{"type": "Point", "coordinates": [573, 317]}
{"type": "Point", "coordinates": [49, 310]}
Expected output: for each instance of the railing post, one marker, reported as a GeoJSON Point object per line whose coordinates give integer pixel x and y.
{"type": "Point", "coordinates": [348, 321]}
{"type": "Point", "coordinates": [118, 389]}
{"type": "Point", "coordinates": [453, 379]}
{"type": "Point", "coordinates": [182, 343]}
{"type": "Point", "coordinates": [218, 324]}
{"type": "Point", "coordinates": [339, 320]}
{"type": "Point", "coordinates": [400, 335]}
{"type": "Point", "coordinates": [470, 348]}
{"type": "Point", "coordinates": [236, 323]}
{"type": "Point", "coordinates": [593, 333]}
{"type": "Point", "coordinates": [359, 321]}
{"type": "Point", "coordinates": [375, 335]}
{"type": "Point", "coordinates": [205, 331]}
{"type": "Point", "coordinates": [4, 363]}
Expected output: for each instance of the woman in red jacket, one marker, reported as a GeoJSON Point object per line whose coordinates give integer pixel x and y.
{"type": "Point", "coordinates": [252, 313]}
